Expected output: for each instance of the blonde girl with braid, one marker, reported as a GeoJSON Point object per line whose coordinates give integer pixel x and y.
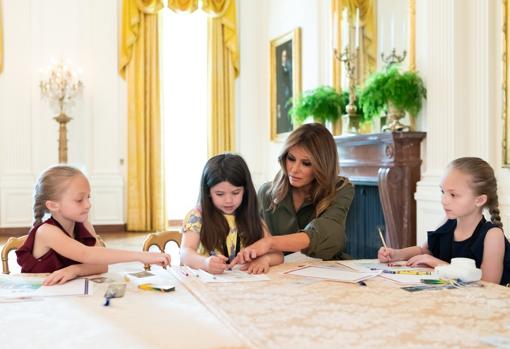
{"type": "Point", "coordinates": [468, 187]}
{"type": "Point", "coordinates": [65, 244]}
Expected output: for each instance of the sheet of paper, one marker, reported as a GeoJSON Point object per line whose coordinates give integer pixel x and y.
{"type": "Point", "coordinates": [298, 257]}
{"type": "Point", "coordinates": [235, 275]}
{"type": "Point", "coordinates": [29, 286]}
{"type": "Point", "coordinates": [334, 274]}
{"type": "Point", "coordinates": [18, 286]}
{"type": "Point", "coordinates": [76, 287]}
{"type": "Point", "coordinates": [368, 265]}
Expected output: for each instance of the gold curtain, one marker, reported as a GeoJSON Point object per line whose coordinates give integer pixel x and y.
{"type": "Point", "coordinates": [223, 69]}
{"type": "Point", "coordinates": [1, 40]}
{"type": "Point", "coordinates": [139, 65]}
{"type": "Point", "coordinates": [183, 5]}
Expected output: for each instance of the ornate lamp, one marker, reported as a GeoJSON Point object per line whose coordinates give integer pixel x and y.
{"type": "Point", "coordinates": [60, 87]}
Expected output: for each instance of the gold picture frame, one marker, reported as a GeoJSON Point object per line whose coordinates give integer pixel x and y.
{"type": "Point", "coordinates": [506, 78]}
{"type": "Point", "coordinates": [285, 79]}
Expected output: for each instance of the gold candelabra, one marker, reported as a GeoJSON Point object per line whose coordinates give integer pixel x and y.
{"type": "Point", "coordinates": [393, 58]}
{"type": "Point", "coordinates": [60, 87]}
{"type": "Point", "coordinates": [350, 120]}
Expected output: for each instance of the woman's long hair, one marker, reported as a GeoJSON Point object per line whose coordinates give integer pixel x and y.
{"type": "Point", "coordinates": [319, 142]}
{"type": "Point", "coordinates": [233, 169]}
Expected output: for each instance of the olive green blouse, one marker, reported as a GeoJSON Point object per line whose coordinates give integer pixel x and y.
{"type": "Point", "coordinates": [326, 232]}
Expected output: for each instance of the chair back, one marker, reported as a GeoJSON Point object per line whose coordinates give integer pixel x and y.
{"type": "Point", "coordinates": [160, 239]}
{"type": "Point", "coordinates": [13, 243]}
{"type": "Point", "coordinates": [100, 240]}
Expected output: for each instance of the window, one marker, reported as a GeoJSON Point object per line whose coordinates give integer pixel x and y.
{"type": "Point", "coordinates": [184, 107]}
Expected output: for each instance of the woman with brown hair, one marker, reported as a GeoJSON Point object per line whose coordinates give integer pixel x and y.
{"type": "Point", "coordinates": [306, 205]}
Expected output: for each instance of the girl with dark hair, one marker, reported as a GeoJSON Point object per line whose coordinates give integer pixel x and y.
{"type": "Point", "coordinates": [468, 187]}
{"type": "Point", "coordinates": [306, 205]}
{"type": "Point", "coordinates": [226, 219]}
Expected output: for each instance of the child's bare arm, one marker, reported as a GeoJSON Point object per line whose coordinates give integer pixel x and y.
{"type": "Point", "coordinates": [493, 255]}
{"type": "Point", "coordinates": [51, 237]}
{"type": "Point", "coordinates": [403, 254]}
{"type": "Point", "coordinates": [73, 271]}
{"type": "Point", "coordinates": [190, 257]}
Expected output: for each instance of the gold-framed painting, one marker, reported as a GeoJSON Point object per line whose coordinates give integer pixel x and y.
{"type": "Point", "coordinates": [285, 77]}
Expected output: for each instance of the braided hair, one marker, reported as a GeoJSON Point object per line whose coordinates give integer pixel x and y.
{"type": "Point", "coordinates": [483, 183]}
{"type": "Point", "coordinates": [49, 186]}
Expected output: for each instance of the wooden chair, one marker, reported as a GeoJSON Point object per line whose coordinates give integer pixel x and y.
{"type": "Point", "coordinates": [100, 240]}
{"type": "Point", "coordinates": [12, 243]}
{"type": "Point", "coordinates": [160, 239]}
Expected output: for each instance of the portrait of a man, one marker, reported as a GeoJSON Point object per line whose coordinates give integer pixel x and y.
{"type": "Point", "coordinates": [284, 87]}
{"type": "Point", "coordinates": [285, 80]}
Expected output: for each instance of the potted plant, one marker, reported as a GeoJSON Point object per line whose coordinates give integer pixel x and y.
{"type": "Point", "coordinates": [324, 103]}
{"type": "Point", "coordinates": [395, 92]}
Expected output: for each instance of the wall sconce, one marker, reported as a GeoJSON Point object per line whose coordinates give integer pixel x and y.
{"type": "Point", "coordinates": [61, 84]}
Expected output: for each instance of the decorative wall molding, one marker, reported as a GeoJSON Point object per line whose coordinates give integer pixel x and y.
{"type": "Point", "coordinates": [463, 104]}
{"type": "Point", "coordinates": [33, 38]}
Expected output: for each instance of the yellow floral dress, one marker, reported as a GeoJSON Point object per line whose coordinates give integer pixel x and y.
{"type": "Point", "coordinates": [193, 222]}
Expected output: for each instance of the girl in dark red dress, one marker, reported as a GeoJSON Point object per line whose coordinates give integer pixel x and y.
{"type": "Point", "coordinates": [65, 245]}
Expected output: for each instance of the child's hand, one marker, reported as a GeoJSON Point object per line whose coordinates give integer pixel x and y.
{"type": "Point", "coordinates": [61, 276]}
{"type": "Point", "coordinates": [425, 259]}
{"type": "Point", "coordinates": [386, 254]}
{"type": "Point", "coordinates": [216, 264]}
{"type": "Point", "coordinates": [258, 266]}
{"type": "Point", "coordinates": [158, 258]}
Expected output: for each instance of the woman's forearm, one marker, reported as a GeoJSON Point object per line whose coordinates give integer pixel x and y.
{"type": "Point", "coordinates": [290, 243]}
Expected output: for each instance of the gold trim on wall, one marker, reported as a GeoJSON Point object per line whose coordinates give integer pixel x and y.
{"type": "Point", "coordinates": [295, 37]}
{"type": "Point", "coordinates": [506, 71]}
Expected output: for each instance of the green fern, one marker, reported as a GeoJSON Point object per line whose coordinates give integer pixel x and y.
{"type": "Point", "coordinates": [406, 91]}
{"type": "Point", "coordinates": [323, 103]}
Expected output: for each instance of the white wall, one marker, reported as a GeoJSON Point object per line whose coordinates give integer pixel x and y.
{"type": "Point", "coordinates": [459, 55]}
{"type": "Point", "coordinates": [35, 33]}
{"type": "Point", "coordinates": [260, 22]}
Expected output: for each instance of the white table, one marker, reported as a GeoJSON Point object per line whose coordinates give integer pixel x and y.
{"type": "Point", "coordinates": [141, 319]}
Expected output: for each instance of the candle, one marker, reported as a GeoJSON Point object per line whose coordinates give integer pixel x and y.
{"type": "Point", "coordinates": [404, 34]}
{"type": "Point", "coordinates": [392, 32]}
{"type": "Point", "coordinates": [381, 38]}
{"type": "Point", "coordinates": [357, 28]}
{"type": "Point", "coordinates": [345, 29]}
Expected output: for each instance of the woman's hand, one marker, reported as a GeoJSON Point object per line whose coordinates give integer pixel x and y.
{"type": "Point", "coordinates": [61, 276]}
{"type": "Point", "coordinates": [425, 259]}
{"type": "Point", "coordinates": [158, 258]}
{"type": "Point", "coordinates": [250, 253]}
{"type": "Point", "coordinates": [257, 266]}
{"type": "Point", "coordinates": [216, 264]}
{"type": "Point", "coordinates": [386, 255]}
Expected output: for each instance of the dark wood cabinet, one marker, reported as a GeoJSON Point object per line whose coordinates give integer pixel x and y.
{"type": "Point", "coordinates": [391, 162]}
